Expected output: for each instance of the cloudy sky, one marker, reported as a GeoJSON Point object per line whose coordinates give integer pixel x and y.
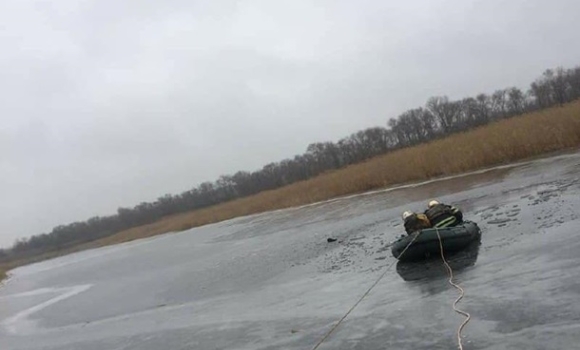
{"type": "Point", "coordinates": [110, 103]}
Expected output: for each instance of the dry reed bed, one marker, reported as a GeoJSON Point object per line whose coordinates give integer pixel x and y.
{"type": "Point", "coordinates": [497, 143]}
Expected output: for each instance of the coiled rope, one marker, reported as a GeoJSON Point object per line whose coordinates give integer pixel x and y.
{"type": "Point", "coordinates": [461, 293]}
{"type": "Point", "coordinates": [363, 296]}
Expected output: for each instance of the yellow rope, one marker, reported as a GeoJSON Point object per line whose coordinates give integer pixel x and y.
{"type": "Point", "coordinates": [363, 296]}
{"type": "Point", "coordinates": [461, 294]}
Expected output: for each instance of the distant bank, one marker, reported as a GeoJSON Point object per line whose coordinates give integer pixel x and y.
{"type": "Point", "coordinates": [500, 142]}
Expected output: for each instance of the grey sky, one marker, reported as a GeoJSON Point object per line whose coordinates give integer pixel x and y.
{"type": "Point", "coordinates": [110, 103]}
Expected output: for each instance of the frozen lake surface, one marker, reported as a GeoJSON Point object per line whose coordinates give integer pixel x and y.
{"type": "Point", "coordinates": [272, 281]}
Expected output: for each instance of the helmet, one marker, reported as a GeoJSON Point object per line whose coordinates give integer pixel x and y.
{"type": "Point", "coordinates": [433, 203]}
{"type": "Point", "coordinates": [406, 214]}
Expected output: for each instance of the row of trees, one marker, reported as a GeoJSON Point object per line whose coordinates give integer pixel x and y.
{"type": "Point", "coordinates": [439, 117]}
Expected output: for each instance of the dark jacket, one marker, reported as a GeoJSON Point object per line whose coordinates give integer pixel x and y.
{"type": "Point", "coordinates": [443, 215]}
{"type": "Point", "coordinates": [416, 222]}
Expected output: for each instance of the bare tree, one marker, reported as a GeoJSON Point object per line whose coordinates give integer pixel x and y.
{"type": "Point", "coordinates": [541, 92]}
{"type": "Point", "coordinates": [560, 87]}
{"type": "Point", "coordinates": [326, 155]}
{"type": "Point", "coordinates": [444, 111]}
{"type": "Point", "coordinates": [467, 114]}
{"type": "Point", "coordinates": [398, 129]}
{"type": "Point", "coordinates": [574, 82]}
{"type": "Point", "coordinates": [483, 109]}
{"type": "Point", "coordinates": [418, 125]}
{"type": "Point", "coordinates": [499, 104]}
{"type": "Point", "coordinates": [516, 102]}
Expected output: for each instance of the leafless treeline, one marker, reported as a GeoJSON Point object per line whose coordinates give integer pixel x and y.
{"type": "Point", "coordinates": [439, 117]}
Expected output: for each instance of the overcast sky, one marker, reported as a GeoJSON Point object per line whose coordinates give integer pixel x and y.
{"type": "Point", "coordinates": [110, 103]}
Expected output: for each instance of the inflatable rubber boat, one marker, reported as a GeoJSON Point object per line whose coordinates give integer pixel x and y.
{"type": "Point", "coordinates": [433, 268]}
{"type": "Point", "coordinates": [426, 243]}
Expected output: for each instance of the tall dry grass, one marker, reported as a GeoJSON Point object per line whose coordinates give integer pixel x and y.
{"type": "Point", "coordinates": [497, 143]}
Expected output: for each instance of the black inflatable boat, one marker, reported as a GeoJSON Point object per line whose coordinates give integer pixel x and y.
{"type": "Point", "coordinates": [426, 243]}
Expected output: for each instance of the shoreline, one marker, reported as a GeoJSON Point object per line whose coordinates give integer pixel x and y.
{"type": "Point", "coordinates": [5, 270]}
{"type": "Point", "coordinates": [503, 144]}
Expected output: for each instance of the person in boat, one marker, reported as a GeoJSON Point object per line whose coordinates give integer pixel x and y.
{"type": "Point", "coordinates": [443, 215]}
{"type": "Point", "coordinates": [415, 222]}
